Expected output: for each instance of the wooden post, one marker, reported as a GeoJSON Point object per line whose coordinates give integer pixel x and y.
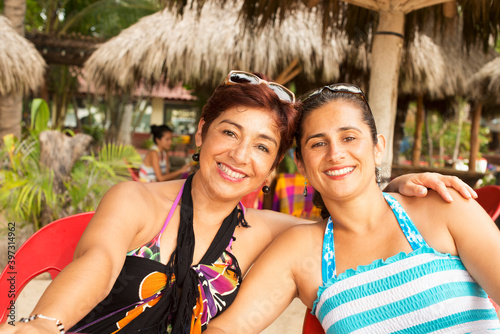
{"type": "Point", "coordinates": [474, 136]}
{"type": "Point", "coordinates": [419, 124]}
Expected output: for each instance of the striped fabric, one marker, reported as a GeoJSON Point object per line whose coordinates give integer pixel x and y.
{"type": "Point", "coordinates": [420, 292]}
{"type": "Point", "coordinates": [147, 173]}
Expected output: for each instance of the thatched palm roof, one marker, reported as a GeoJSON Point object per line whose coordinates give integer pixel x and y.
{"type": "Point", "coordinates": [440, 67]}
{"type": "Point", "coordinates": [203, 49]}
{"type": "Point", "coordinates": [21, 66]}
{"type": "Point", "coordinates": [486, 82]}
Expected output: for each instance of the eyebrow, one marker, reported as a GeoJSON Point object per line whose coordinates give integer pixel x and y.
{"type": "Point", "coordinates": [241, 128]}
{"type": "Point", "coordinates": [341, 129]}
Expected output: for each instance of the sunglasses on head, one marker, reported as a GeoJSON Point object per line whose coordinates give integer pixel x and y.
{"type": "Point", "coordinates": [239, 77]}
{"type": "Point", "coordinates": [337, 88]}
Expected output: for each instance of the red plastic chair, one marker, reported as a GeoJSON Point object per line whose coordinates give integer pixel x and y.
{"type": "Point", "coordinates": [134, 174]}
{"type": "Point", "coordinates": [50, 249]}
{"type": "Point", "coordinates": [311, 324]}
{"type": "Point", "coordinates": [489, 199]}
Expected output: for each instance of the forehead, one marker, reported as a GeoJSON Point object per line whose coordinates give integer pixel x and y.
{"type": "Point", "coordinates": [250, 119]}
{"type": "Point", "coordinates": [336, 113]}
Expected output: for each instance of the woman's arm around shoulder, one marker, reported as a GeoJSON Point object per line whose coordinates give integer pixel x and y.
{"type": "Point", "coordinates": [276, 278]}
{"type": "Point", "coordinates": [416, 184]}
{"type": "Point", "coordinates": [477, 239]}
{"type": "Point", "coordinates": [98, 260]}
{"type": "Point", "coordinates": [272, 223]}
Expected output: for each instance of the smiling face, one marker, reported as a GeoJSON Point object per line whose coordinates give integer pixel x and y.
{"type": "Point", "coordinates": [238, 151]}
{"type": "Point", "coordinates": [338, 152]}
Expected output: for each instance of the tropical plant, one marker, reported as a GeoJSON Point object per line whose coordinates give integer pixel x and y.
{"type": "Point", "coordinates": [26, 186]}
{"type": "Point", "coordinates": [27, 192]}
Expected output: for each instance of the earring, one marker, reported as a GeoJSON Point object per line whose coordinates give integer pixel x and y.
{"type": "Point", "coordinates": [378, 174]}
{"type": "Point", "coordinates": [266, 189]}
{"type": "Point", "coordinates": [196, 156]}
{"type": "Point", "coordinates": [305, 189]}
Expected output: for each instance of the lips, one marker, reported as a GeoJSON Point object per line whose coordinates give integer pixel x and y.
{"type": "Point", "coordinates": [339, 172]}
{"type": "Point", "coordinates": [229, 172]}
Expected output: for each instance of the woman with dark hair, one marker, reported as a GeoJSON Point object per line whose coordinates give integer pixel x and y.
{"type": "Point", "coordinates": [155, 166]}
{"type": "Point", "coordinates": [378, 262]}
{"type": "Point", "coordinates": [167, 257]}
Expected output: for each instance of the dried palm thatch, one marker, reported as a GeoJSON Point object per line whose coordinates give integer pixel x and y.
{"type": "Point", "coordinates": [21, 65]}
{"type": "Point", "coordinates": [202, 49]}
{"type": "Point", "coordinates": [481, 18]}
{"type": "Point", "coordinates": [440, 67]}
{"type": "Point", "coordinates": [486, 82]}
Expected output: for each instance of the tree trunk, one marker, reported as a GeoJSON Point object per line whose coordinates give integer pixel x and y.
{"type": "Point", "coordinates": [11, 106]}
{"type": "Point", "coordinates": [456, 150]}
{"type": "Point", "coordinates": [399, 129]}
{"type": "Point", "coordinates": [429, 141]}
{"type": "Point", "coordinates": [59, 152]}
{"type": "Point", "coordinates": [15, 11]}
{"type": "Point", "coordinates": [386, 60]}
{"type": "Point", "coordinates": [474, 136]}
{"type": "Point", "coordinates": [417, 137]}
{"type": "Point", "coordinates": [124, 132]}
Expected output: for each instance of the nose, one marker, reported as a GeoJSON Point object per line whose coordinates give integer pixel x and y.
{"type": "Point", "coordinates": [335, 153]}
{"type": "Point", "coordinates": [240, 153]}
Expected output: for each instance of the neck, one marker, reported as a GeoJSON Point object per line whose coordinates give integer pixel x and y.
{"type": "Point", "coordinates": [360, 212]}
{"type": "Point", "coordinates": [208, 209]}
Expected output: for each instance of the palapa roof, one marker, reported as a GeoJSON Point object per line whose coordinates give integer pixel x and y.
{"type": "Point", "coordinates": [22, 67]}
{"type": "Point", "coordinates": [440, 66]}
{"type": "Point", "coordinates": [203, 49]}
{"type": "Point", "coordinates": [485, 83]}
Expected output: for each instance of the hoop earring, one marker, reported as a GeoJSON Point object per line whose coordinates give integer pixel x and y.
{"type": "Point", "coordinates": [305, 189]}
{"type": "Point", "coordinates": [266, 189]}
{"type": "Point", "coordinates": [196, 156]}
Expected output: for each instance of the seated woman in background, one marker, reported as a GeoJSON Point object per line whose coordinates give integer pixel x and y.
{"type": "Point", "coordinates": [155, 166]}
{"type": "Point", "coordinates": [378, 262]}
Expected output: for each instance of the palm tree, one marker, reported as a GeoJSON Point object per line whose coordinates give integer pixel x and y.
{"type": "Point", "coordinates": [385, 25]}
{"type": "Point", "coordinates": [11, 105]}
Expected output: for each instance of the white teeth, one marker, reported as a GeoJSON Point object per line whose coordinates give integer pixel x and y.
{"type": "Point", "coordinates": [230, 172]}
{"type": "Point", "coordinates": [339, 172]}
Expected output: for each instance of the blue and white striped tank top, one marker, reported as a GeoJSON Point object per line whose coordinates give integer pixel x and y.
{"type": "Point", "coordinates": [420, 292]}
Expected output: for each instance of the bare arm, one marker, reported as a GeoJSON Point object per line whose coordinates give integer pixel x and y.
{"type": "Point", "coordinates": [478, 243]}
{"type": "Point", "coordinates": [98, 260]}
{"type": "Point", "coordinates": [265, 292]}
{"type": "Point", "coordinates": [416, 185]}
{"type": "Point", "coordinates": [155, 163]}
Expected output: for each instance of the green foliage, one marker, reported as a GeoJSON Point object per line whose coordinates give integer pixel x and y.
{"type": "Point", "coordinates": [100, 18]}
{"type": "Point", "coordinates": [26, 186]}
{"type": "Point", "coordinates": [96, 132]}
{"type": "Point", "coordinates": [40, 115]}
{"type": "Point", "coordinates": [444, 133]}
{"type": "Point", "coordinates": [148, 143]}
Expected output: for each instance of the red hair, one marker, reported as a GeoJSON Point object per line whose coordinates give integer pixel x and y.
{"type": "Point", "coordinates": [253, 96]}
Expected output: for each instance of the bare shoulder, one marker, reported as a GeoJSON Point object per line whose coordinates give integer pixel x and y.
{"type": "Point", "coordinates": [130, 208]}
{"type": "Point", "coordinates": [273, 223]}
{"type": "Point", "coordinates": [303, 236]}
{"type": "Point", "coordinates": [436, 219]}
{"type": "Point", "coordinates": [433, 204]}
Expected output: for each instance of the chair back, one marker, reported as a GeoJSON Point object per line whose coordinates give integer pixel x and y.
{"type": "Point", "coordinates": [311, 324]}
{"type": "Point", "coordinates": [49, 249]}
{"type": "Point", "coordinates": [489, 199]}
